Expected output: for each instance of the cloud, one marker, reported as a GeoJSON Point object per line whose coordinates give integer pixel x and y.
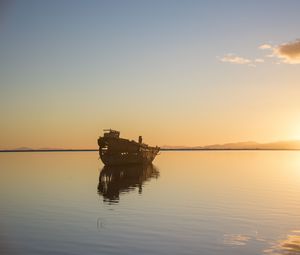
{"type": "Point", "coordinates": [234, 59]}
{"type": "Point", "coordinates": [285, 53]}
{"type": "Point", "coordinates": [288, 52]}
{"type": "Point", "coordinates": [259, 60]}
{"type": "Point", "coordinates": [231, 58]}
{"type": "Point", "coordinates": [265, 46]}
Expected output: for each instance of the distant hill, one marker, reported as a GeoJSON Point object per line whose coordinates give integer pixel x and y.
{"type": "Point", "coordinates": [288, 145]}
{"type": "Point", "coordinates": [23, 149]}
{"type": "Point", "coordinates": [49, 148]}
{"type": "Point", "coordinates": [31, 149]}
{"type": "Point", "coordinates": [27, 149]}
{"type": "Point", "coordinates": [239, 145]}
{"type": "Point", "coordinates": [175, 147]}
{"type": "Point", "coordinates": [280, 145]}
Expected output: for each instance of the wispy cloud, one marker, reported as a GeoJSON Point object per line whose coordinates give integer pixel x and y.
{"type": "Point", "coordinates": [265, 46]}
{"type": "Point", "coordinates": [234, 59]}
{"type": "Point", "coordinates": [259, 60]}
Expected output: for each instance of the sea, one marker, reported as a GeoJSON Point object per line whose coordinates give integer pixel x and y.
{"type": "Point", "coordinates": [187, 202]}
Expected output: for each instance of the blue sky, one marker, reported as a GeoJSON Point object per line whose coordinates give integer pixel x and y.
{"type": "Point", "coordinates": [132, 65]}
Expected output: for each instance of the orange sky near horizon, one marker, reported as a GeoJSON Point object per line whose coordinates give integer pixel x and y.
{"type": "Point", "coordinates": [187, 73]}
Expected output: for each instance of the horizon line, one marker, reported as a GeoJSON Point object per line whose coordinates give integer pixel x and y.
{"type": "Point", "coordinates": [162, 149]}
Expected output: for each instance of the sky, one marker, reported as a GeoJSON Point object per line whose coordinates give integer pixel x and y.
{"type": "Point", "coordinates": [177, 72]}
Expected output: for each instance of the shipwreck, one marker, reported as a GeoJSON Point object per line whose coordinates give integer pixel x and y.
{"type": "Point", "coordinates": [114, 150]}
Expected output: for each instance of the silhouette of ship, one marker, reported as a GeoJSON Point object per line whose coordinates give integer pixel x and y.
{"type": "Point", "coordinates": [115, 180]}
{"type": "Point", "coordinates": [114, 150]}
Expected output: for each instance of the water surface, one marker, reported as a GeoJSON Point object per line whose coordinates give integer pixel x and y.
{"type": "Point", "coordinates": [196, 202]}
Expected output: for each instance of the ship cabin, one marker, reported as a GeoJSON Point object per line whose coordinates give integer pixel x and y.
{"type": "Point", "coordinates": [109, 133]}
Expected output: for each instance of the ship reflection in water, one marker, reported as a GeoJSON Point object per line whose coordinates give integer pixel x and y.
{"type": "Point", "coordinates": [115, 180]}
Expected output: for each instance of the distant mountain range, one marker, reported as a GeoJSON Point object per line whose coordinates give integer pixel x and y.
{"type": "Point", "coordinates": [280, 145]}
{"type": "Point", "coordinates": [20, 149]}
{"type": "Point", "coordinates": [31, 149]}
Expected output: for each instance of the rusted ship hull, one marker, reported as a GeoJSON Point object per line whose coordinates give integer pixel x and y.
{"type": "Point", "coordinates": [118, 151]}
{"type": "Point", "coordinates": [126, 159]}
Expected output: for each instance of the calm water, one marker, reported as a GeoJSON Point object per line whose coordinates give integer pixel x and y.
{"type": "Point", "coordinates": [244, 202]}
